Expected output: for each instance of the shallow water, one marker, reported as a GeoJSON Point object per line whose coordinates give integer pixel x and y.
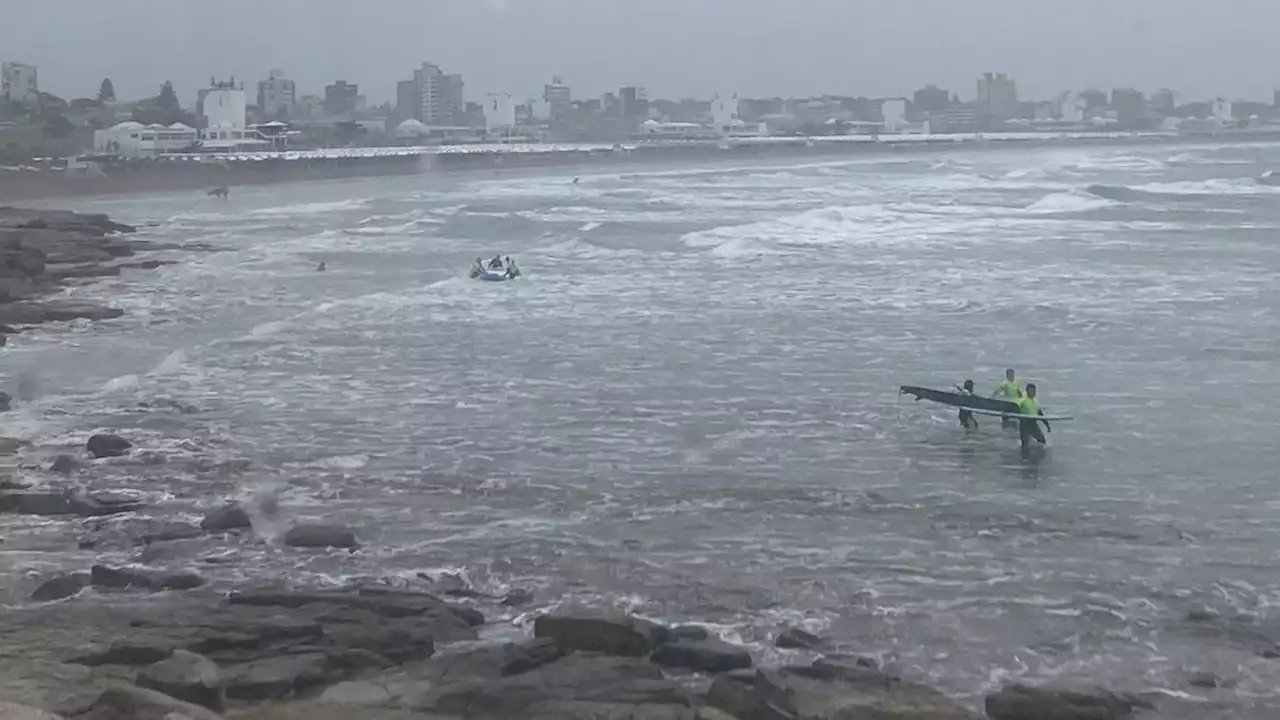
{"type": "Point", "coordinates": [688, 405]}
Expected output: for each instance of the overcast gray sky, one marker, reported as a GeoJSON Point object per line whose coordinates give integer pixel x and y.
{"type": "Point", "coordinates": [675, 48]}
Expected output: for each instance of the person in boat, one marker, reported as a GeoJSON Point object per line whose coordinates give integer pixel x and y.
{"type": "Point", "coordinates": [496, 263]}
{"type": "Point", "coordinates": [512, 270]}
{"type": "Point", "coordinates": [1008, 390]}
{"type": "Point", "coordinates": [967, 420]}
{"type": "Point", "coordinates": [1029, 427]}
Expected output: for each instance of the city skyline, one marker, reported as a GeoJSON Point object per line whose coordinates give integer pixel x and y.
{"type": "Point", "coordinates": [879, 49]}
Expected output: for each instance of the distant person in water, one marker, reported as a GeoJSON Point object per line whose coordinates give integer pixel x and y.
{"type": "Point", "coordinates": [496, 263]}
{"type": "Point", "coordinates": [320, 267]}
{"type": "Point", "coordinates": [575, 180]}
{"type": "Point", "coordinates": [512, 270]}
{"type": "Point", "coordinates": [1029, 427]}
{"type": "Point", "coordinates": [967, 420]}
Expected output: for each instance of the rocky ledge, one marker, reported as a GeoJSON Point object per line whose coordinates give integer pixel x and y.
{"type": "Point", "coordinates": [43, 250]}
{"type": "Point", "coordinates": [373, 653]}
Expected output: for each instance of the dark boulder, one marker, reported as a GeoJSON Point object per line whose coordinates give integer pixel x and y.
{"type": "Point", "coordinates": [710, 656]}
{"type": "Point", "coordinates": [829, 692]}
{"type": "Point", "coordinates": [795, 638]}
{"type": "Point", "coordinates": [609, 633]}
{"type": "Point", "coordinates": [65, 503]}
{"type": "Point", "coordinates": [578, 686]}
{"type": "Point", "coordinates": [128, 578]}
{"type": "Point", "coordinates": [63, 586]}
{"type": "Point", "coordinates": [104, 445]}
{"type": "Point", "coordinates": [1022, 702]}
{"type": "Point", "coordinates": [172, 531]}
{"type": "Point", "coordinates": [318, 536]}
{"type": "Point", "coordinates": [227, 517]}
{"type": "Point", "coordinates": [63, 465]}
{"type": "Point", "coordinates": [186, 676]}
{"type": "Point", "coordinates": [6, 400]}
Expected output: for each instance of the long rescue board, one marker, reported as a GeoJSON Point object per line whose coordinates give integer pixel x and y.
{"type": "Point", "coordinates": [1021, 416]}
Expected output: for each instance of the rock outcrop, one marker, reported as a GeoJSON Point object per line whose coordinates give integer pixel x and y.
{"type": "Point", "coordinates": [41, 250]}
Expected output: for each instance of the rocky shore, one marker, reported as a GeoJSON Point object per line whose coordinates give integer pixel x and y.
{"type": "Point", "coordinates": [147, 624]}
{"type": "Point", "coordinates": [43, 252]}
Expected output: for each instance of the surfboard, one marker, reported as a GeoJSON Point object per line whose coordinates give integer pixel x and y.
{"type": "Point", "coordinates": [1021, 416]}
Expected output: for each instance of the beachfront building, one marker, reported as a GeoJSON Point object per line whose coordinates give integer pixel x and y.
{"type": "Point", "coordinates": [997, 97]}
{"type": "Point", "coordinates": [135, 140]}
{"type": "Point", "coordinates": [277, 95]}
{"type": "Point", "coordinates": [499, 114]}
{"type": "Point", "coordinates": [432, 97]}
{"type": "Point", "coordinates": [225, 110]}
{"type": "Point", "coordinates": [559, 98]}
{"type": "Point", "coordinates": [19, 83]}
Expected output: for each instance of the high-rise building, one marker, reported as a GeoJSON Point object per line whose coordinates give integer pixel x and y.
{"type": "Point", "coordinates": [634, 102]}
{"type": "Point", "coordinates": [559, 98]}
{"type": "Point", "coordinates": [1164, 102]}
{"type": "Point", "coordinates": [930, 98]}
{"type": "Point", "coordinates": [1129, 105]}
{"type": "Point", "coordinates": [997, 96]}
{"type": "Point", "coordinates": [277, 94]}
{"type": "Point", "coordinates": [18, 83]}
{"type": "Point", "coordinates": [341, 97]}
{"type": "Point", "coordinates": [432, 97]}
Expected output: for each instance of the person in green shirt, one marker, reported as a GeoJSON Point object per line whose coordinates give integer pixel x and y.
{"type": "Point", "coordinates": [1029, 427]}
{"type": "Point", "coordinates": [1009, 390]}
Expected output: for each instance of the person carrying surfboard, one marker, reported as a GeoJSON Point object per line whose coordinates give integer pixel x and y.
{"type": "Point", "coordinates": [1009, 390]}
{"type": "Point", "coordinates": [967, 420]}
{"type": "Point", "coordinates": [1029, 427]}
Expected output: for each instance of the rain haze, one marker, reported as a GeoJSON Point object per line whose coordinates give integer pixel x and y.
{"type": "Point", "coordinates": [382, 357]}
{"type": "Point", "coordinates": [676, 49]}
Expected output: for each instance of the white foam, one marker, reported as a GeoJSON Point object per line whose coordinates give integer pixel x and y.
{"type": "Point", "coordinates": [312, 208]}
{"type": "Point", "coordinates": [1068, 202]}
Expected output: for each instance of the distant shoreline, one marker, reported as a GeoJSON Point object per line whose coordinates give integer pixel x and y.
{"type": "Point", "coordinates": [169, 175]}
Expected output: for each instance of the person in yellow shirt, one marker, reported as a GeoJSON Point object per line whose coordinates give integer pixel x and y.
{"type": "Point", "coordinates": [1008, 390]}
{"type": "Point", "coordinates": [1029, 427]}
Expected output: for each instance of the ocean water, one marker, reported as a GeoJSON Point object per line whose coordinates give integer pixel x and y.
{"type": "Point", "coordinates": [688, 406]}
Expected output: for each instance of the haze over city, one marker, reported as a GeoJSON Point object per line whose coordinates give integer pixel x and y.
{"type": "Point", "coordinates": [676, 49]}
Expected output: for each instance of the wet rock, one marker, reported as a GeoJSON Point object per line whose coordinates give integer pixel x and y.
{"type": "Point", "coordinates": [318, 536]}
{"type": "Point", "coordinates": [14, 485]}
{"type": "Point", "coordinates": [795, 638]}
{"type": "Point", "coordinates": [227, 517]}
{"type": "Point", "coordinates": [6, 400]}
{"type": "Point", "coordinates": [186, 676]}
{"type": "Point", "coordinates": [64, 272]}
{"type": "Point", "coordinates": [105, 445]}
{"type": "Point", "coordinates": [517, 598]}
{"type": "Point", "coordinates": [376, 601]}
{"type": "Point", "coordinates": [1205, 679]}
{"type": "Point", "coordinates": [710, 656]}
{"type": "Point", "coordinates": [65, 503]}
{"type": "Point", "coordinates": [63, 586]}
{"type": "Point", "coordinates": [14, 711]}
{"type": "Point", "coordinates": [279, 677]}
{"type": "Point", "coordinates": [28, 312]}
{"type": "Point", "coordinates": [831, 692]}
{"type": "Point", "coordinates": [578, 686]}
{"type": "Point", "coordinates": [609, 633]}
{"type": "Point", "coordinates": [138, 703]}
{"type": "Point", "coordinates": [64, 465]}
{"type": "Point", "coordinates": [1202, 615]}
{"type": "Point", "coordinates": [126, 578]}
{"type": "Point", "coordinates": [689, 632]}
{"type": "Point", "coordinates": [171, 532]}
{"type": "Point", "coordinates": [1021, 702]}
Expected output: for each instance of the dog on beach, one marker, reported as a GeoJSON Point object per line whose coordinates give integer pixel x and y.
{"type": "Point", "coordinates": [220, 192]}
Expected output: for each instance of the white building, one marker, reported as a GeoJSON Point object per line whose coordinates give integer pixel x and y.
{"type": "Point", "coordinates": [225, 119]}
{"type": "Point", "coordinates": [277, 94]}
{"type": "Point", "coordinates": [997, 96]}
{"type": "Point", "coordinates": [894, 113]}
{"type": "Point", "coordinates": [18, 83]}
{"type": "Point", "coordinates": [132, 139]}
{"type": "Point", "coordinates": [499, 113]}
{"type": "Point", "coordinates": [1071, 107]}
